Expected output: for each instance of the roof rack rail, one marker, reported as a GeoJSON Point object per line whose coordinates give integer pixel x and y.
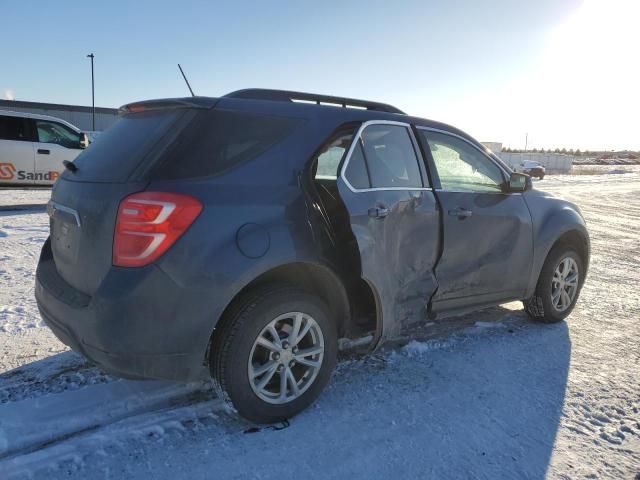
{"type": "Point", "coordinates": [289, 96]}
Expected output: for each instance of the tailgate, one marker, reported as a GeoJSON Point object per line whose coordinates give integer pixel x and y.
{"type": "Point", "coordinates": [84, 202]}
{"type": "Point", "coordinates": [82, 221]}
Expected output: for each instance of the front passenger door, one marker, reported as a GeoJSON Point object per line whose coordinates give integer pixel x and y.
{"type": "Point", "coordinates": [55, 143]}
{"type": "Point", "coordinates": [488, 246]}
{"type": "Point", "coordinates": [394, 219]}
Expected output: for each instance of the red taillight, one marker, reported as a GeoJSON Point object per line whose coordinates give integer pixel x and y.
{"type": "Point", "coordinates": [148, 223]}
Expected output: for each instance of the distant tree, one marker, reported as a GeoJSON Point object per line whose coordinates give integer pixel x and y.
{"type": "Point", "coordinates": [587, 153]}
{"type": "Point", "coordinates": [577, 152]}
{"type": "Point", "coordinates": [564, 150]}
{"type": "Point", "coordinates": [557, 150]}
{"type": "Point", "coordinates": [542, 150]}
{"type": "Point", "coordinates": [571, 151]}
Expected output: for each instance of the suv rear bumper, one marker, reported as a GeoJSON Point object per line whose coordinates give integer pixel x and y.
{"type": "Point", "coordinates": [122, 327]}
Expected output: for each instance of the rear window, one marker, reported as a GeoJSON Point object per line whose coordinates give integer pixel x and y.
{"type": "Point", "coordinates": [117, 152]}
{"type": "Point", "coordinates": [13, 128]}
{"type": "Point", "coordinates": [218, 140]}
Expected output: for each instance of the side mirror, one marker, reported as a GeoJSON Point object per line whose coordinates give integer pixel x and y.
{"type": "Point", "coordinates": [84, 140]}
{"type": "Point", "coordinates": [519, 182]}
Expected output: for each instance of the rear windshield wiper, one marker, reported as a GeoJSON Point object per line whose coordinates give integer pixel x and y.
{"type": "Point", "coordinates": [72, 167]}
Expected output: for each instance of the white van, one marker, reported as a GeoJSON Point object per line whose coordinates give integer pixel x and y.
{"type": "Point", "coordinates": [33, 147]}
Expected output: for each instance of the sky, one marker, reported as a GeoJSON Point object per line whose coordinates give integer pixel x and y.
{"type": "Point", "coordinates": [564, 72]}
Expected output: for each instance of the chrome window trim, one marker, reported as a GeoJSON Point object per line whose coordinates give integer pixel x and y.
{"type": "Point", "coordinates": [476, 191]}
{"type": "Point", "coordinates": [484, 154]}
{"type": "Point", "coordinates": [356, 139]}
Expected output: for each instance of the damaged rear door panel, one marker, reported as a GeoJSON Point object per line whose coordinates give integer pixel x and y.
{"type": "Point", "coordinates": [395, 220]}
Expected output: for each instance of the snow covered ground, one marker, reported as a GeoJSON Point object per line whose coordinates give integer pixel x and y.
{"type": "Point", "coordinates": [23, 196]}
{"type": "Point", "coordinates": [489, 395]}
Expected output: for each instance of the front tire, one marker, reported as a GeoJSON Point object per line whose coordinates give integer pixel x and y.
{"type": "Point", "coordinates": [274, 353]}
{"type": "Point", "coordinates": [558, 286]}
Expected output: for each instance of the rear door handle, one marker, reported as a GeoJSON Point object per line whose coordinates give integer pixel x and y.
{"type": "Point", "coordinates": [378, 212]}
{"type": "Point", "coordinates": [460, 213]}
{"type": "Point", "coordinates": [43, 151]}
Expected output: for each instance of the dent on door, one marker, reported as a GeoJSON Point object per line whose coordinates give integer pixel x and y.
{"type": "Point", "coordinates": [398, 251]}
{"type": "Point", "coordinates": [487, 255]}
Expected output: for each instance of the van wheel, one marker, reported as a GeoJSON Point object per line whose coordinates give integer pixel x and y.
{"type": "Point", "coordinates": [558, 286]}
{"type": "Point", "coordinates": [274, 353]}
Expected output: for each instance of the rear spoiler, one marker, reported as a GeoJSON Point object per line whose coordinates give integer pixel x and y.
{"type": "Point", "coordinates": [167, 104]}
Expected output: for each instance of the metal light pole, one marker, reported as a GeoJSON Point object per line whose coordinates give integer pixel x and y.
{"type": "Point", "coordinates": [93, 97]}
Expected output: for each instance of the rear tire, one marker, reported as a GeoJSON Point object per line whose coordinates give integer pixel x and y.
{"type": "Point", "coordinates": [549, 304]}
{"type": "Point", "coordinates": [245, 346]}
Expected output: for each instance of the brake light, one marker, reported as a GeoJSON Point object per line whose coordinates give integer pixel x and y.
{"type": "Point", "coordinates": [148, 223]}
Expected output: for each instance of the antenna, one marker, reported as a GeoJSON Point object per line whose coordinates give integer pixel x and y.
{"type": "Point", "coordinates": [186, 81]}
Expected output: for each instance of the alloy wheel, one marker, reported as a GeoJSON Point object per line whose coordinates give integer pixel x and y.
{"type": "Point", "coordinates": [564, 284]}
{"type": "Point", "coordinates": [286, 357]}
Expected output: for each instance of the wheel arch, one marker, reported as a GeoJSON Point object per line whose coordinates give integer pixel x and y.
{"type": "Point", "coordinates": [576, 239]}
{"type": "Point", "coordinates": [572, 234]}
{"type": "Point", "coordinates": [312, 277]}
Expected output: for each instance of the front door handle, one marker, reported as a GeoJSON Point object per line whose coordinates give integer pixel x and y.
{"type": "Point", "coordinates": [460, 213]}
{"type": "Point", "coordinates": [43, 151]}
{"type": "Point", "coordinates": [378, 212]}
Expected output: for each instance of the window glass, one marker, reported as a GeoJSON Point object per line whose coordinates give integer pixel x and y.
{"type": "Point", "coordinates": [356, 172]}
{"type": "Point", "coordinates": [13, 128]}
{"type": "Point", "coordinates": [124, 146]}
{"type": "Point", "coordinates": [51, 132]}
{"type": "Point", "coordinates": [330, 157]}
{"type": "Point", "coordinates": [218, 140]}
{"type": "Point", "coordinates": [460, 166]}
{"type": "Point", "coordinates": [390, 156]}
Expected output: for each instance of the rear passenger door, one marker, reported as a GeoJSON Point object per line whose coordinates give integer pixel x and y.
{"type": "Point", "coordinates": [16, 151]}
{"type": "Point", "coordinates": [487, 239]}
{"type": "Point", "coordinates": [394, 218]}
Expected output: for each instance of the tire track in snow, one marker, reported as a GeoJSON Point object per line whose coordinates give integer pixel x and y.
{"type": "Point", "coordinates": [38, 423]}
{"type": "Point", "coordinates": [75, 448]}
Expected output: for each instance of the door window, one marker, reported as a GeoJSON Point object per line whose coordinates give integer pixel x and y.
{"type": "Point", "coordinates": [330, 157]}
{"type": "Point", "coordinates": [13, 128]}
{"type": "Point", "coordinates": [51, 132]}
{"type": "Point", "coordinates": [390, 157]}
{"type": "Point", "coordinates": [460, 166]}
{"type": "Point", "coordinates": [384, 157]}
{"type": "Point", "coordinates": [356, 172]}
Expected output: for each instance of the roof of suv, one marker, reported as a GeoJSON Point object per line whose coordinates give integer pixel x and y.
{"type": "Point", "coordinates": [312, 98]}
{"type": "Point", "coordinates": [331, 108]}
{"type": "Point", "coordinates": [348, 108]}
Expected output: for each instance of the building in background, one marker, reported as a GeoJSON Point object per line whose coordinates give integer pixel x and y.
{"type": "Point", "coordinates": [495, 147]}
{"type": "Point", "coordinates": [552, 162]}
{"type": "Point", "coordinates": [77, 115]}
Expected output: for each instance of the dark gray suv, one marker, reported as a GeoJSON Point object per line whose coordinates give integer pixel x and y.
{"type": "Point", "coordinates": [247, 237]}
